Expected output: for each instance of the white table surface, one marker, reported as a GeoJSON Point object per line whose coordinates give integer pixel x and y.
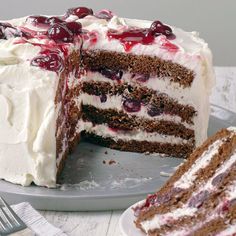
{"type": "Point", "coordinates": [106, 223]}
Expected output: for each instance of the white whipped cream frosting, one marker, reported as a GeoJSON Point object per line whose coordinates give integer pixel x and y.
{"type": "Point", "coordinates": [27, 117]}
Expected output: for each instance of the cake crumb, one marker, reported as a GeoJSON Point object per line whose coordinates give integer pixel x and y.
{"type": "Point", "coordinates": [165, 174]}
{"type": "Point", "coordinates": [106, 152]}
{"type": "Point", "coordinates": [111, 162]}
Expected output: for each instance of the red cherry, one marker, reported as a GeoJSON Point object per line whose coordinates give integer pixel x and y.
{"type": "Point", "coordinates": [37, 20]}
{"type": "Point", "coordinates": [74, 27]}
{"type": "Point", "coordinates": [60, 33]}
{"type": "Point", "coordinates": [81, 12]}
{"type": "Point", "coordinates": [50, 61]}
{"type": "Point", "coordinates": [103, 98]}
{"type": "Point", "coordinates": [111, 74]}
{"type": "Point", "coordinates": [155, 111]}
{"type": "Point", "coordinates": [198, 199]}
{"type": "Point", "coordinates": [157, 28]}
{"type": "Point", "coordinates": [131, 105]}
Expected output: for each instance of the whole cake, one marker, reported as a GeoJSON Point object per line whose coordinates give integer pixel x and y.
{"type": "Point", "coordinates": [200, 198]}
{"type": "Point", "coordinates": [131, 85]}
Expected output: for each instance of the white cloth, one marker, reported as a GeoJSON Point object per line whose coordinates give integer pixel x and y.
{"type": "Point", "coordinates": [35, 221]}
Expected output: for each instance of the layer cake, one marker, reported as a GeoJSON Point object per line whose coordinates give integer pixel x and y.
{"type": "Point", "coordinates": [127, 84]}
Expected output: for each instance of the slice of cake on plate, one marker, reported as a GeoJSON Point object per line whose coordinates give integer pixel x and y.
{"type": "Point", "coordinates": [127, 84]}
{"type": "Point", "coordinates": [200, 198]}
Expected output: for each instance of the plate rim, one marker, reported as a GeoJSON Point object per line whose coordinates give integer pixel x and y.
{"type": "Point", "coordinates": [129, 209]}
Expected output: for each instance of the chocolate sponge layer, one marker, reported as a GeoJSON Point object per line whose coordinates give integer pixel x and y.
{"type": "Point", "coordinates": [140, 64]}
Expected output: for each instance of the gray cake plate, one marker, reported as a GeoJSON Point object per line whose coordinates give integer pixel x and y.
{"type": "Point", "coordinates": [97, 178]}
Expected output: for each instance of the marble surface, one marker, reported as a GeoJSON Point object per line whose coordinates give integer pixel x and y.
{"type": "Point", "coordinates": [106, 223]}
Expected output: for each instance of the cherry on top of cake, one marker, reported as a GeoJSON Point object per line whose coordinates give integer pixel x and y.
{"type": "Point", "coordinates": [131, 36]}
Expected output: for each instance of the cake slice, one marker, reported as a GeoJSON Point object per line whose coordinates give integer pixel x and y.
{"type": "Point", "coordinates": [200, 198]}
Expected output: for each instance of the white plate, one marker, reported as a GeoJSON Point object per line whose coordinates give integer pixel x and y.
{"type": "Point", "coordinates": [126, 223]}
{"type": "Point", "coordinates": [90, 185]}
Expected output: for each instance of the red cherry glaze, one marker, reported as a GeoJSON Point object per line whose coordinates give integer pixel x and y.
{"type": "Point", "coordinates": [93, 37]}
{"type": "Point", "coordinates": [81, 12]}
{"type": "Point", "coordinates": [37, 20]}
{"type": "Point", "coordinates": [49, 61]}
{"type": "Point", "coordinates": [166, 44]}
{"type": "Point", "coordinates": [113, 129]}
{"type": "Point", "coordinates": [53, 20]}
{"type": "Point", "coordinates": [74, 27]}
{"type": "Point", "coordinates": [60, 33]}
{"type": "Point", "coordinates": [104, 14]}
{"type": "Point", "coordinates": [131, 37]}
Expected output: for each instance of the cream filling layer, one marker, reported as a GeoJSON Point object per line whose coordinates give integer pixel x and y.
{"type": "Point", "coordinates": [196, 96]}
{"type": "Point", "coordinates": [106, 132]}
{"type": "Point", "coordinates": [182, 95]}
{"type": "Point", "coordinates": [187, 179]}
{"type": "Point", "coordinates": [116, 102]}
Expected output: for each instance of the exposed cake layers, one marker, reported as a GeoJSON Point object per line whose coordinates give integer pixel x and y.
{"type": "Point", "coordinates": [199, 199]}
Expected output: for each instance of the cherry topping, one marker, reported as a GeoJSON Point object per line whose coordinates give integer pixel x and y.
{"type": "Point", "coordinates": [157, 28]}
{"type": "Point", "coordinates": [74, 27]}
{"type": "Point", "coordinates": [132, 105]}
{"type": "Point", "coordinates": [81, 12]}
{"type": "Point", "coordinates": [60, 33]}
{"type": "Point", "coordinates": [37, 20]}
{"type": "Point", "coordinates": [103, 98]}
{"type": "Point", "coordinates": [104, 14]}
{"type": "Point", "coordinates": [151, 200]}
{"type": "Point", "coordinates": [131, 37]}
{"type": "Point", "coordinates": [198, 199]}
{"type": "Point", "coordinates": [50, 61]}
{"type": "Point", "coordinates": [111, 74]}
{"type": "Point", "coordinates": [53, 20]}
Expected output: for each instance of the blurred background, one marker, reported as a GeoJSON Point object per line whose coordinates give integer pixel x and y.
{"type": "Point", "coordinates": [214, 19]}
